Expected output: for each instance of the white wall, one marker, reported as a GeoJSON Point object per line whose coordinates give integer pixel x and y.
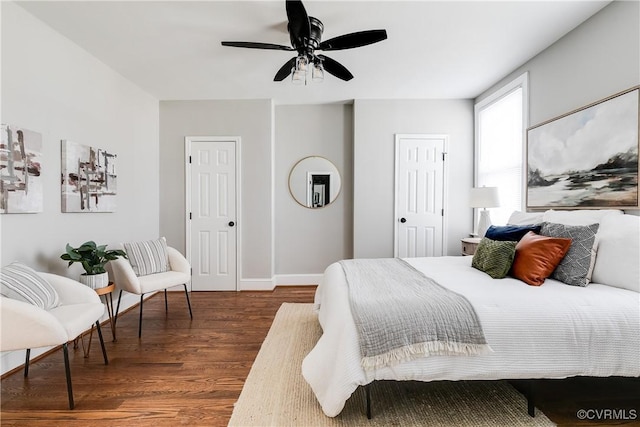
{"type": "Point", "coordinates": [308, 240]}
{"type": "Point", "coordinates": [376, 123]}
{"type": "Point", "coordinates": [251, 120]}
{"type": "Point", "coordinates": [597, 59]}
{"type": "Point", "coordinates": [51, 86]}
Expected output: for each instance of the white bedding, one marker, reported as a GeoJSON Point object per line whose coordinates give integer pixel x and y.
{"type": "Point", "coordinates": [551, 331]}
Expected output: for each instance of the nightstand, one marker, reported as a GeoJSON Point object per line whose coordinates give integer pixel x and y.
{"type": "Point", "coordinates": [469, 245]}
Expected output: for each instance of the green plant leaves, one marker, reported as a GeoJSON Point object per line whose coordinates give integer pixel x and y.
{"type": "Point", "coordinates": [92, 257]}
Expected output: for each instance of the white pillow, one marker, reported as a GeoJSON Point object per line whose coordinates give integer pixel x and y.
{"type": "Point", "coordinates": [617, 259]}
{"type": "Point", "coordinates": [525, 218]}
{"type": "Point", "coordinates": [578, 217]}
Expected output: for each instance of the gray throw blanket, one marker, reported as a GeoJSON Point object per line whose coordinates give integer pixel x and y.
{"type": "Point", "coordinates": [401, 314]}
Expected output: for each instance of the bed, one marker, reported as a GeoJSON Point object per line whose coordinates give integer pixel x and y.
{"type": "Point", "coordinates": [549, 331]}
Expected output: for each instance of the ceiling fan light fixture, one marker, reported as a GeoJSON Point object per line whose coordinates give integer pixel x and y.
{"type": "Point", "coordinates": [317, 72]}
{"type": "Point", "coordinates": [298, 77]}
{"type": "Point", "coordinates": [305, 33]}
{"type": "Point", "coordinates": [302, 63]}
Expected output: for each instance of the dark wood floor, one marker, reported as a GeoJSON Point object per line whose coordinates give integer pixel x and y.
{"type": "Point", "coordinates": [185, 372]}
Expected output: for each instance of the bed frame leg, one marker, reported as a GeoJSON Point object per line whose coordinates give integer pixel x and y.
{"type": "Point", "coordinates": [367, 394]}
{"type": "Point", "coordinates": [531, 407]}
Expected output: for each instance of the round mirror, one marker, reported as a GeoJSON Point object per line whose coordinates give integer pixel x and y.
{"type": "Point", "coordinates": [314, 182]}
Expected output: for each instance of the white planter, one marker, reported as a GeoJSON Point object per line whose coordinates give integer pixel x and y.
{"type": "Point", "coordinates": [95, 281]}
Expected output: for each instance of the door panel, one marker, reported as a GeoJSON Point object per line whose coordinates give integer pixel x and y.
{"type": "Point", "coordinates": [419, 195]}
{"type": "Point", "coordinates": [213, 231]}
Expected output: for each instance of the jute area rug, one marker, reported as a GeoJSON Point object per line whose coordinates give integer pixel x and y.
{"type": "Point", "coordinates": [276, 394]}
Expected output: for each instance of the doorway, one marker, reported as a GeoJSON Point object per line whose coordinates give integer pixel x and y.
{"type": "Point", "coordinates": [318, 190]}
{"type": "Point", "coordinates": [212, 198]}
{"type": "Point", "coordinates": [420, 195]}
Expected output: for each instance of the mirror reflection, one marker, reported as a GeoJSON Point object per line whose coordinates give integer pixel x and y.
{"type": "Point", "coordinates": [314, 182]}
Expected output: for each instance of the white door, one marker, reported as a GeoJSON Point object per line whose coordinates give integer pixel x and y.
{"type": "Point", "coordinates": [420, 190]}
{"type": "Point", "coordinates": [212, 228]}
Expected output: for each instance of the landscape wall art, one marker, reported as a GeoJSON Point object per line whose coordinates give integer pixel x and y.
{"type": "Point", "coordinates": [587, 158]}
{"type": "Point", "coordinates": [89, 179]}
{"type": "Point", "coordinates": [21, 179]}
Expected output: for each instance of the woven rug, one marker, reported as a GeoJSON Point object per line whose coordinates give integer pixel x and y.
{"type": "Point", "coordinates": [276, 394]}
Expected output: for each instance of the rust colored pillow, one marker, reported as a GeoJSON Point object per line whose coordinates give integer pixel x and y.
{"type": "Point", "coordinates": [537, 256]}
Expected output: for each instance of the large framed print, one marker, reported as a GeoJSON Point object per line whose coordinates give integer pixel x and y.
{"type": "Point", "coordinates": [21, 160]}
{"type": "Point", "coordinates": [89, 179]}
{"type": "Point", "coordinates": [587, 158]}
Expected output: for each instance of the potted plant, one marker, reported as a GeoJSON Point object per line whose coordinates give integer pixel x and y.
{"type": "Point", "coordinates": [93, 259]}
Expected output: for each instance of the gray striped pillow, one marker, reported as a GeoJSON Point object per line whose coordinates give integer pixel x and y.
{"type": "Point", "coordinates": [148, 257]}
{"type": "Point", "coordinates": [20, 282]}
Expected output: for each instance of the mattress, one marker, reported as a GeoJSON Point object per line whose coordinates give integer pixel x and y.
{"type": "Point", "coordinates": [551, 331]}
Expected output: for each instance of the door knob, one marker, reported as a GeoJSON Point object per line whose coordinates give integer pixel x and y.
{"type": "Point", "coordinates": [231, 223]}
{"type": "Point", "coordinates": [403, 220]}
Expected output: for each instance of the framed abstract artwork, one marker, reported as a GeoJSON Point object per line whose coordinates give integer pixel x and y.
{"type": "Point", "coordinates": [587, 158]}
{"type": "Point", "coordinates": [21, 185]}
{"type": "Point", "coordinates": [89, 179]}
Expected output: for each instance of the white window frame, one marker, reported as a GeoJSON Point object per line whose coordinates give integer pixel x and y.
{"type": "Point", "coordinates": [522, 81]}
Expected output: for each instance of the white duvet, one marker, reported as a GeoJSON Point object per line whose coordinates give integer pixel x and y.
{"type": "Point", "coordinates": [551, 331]}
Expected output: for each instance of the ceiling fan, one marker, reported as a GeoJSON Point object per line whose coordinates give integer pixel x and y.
{"type": "Point", "coordinates": [305, 33]}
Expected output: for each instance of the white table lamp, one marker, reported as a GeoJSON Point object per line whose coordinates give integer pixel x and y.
{"type": "Point", "coordinates": [484, 197]}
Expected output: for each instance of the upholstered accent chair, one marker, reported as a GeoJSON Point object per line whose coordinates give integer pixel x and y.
{"type": "Point", "coordinates": [42, 310]}
{"type": "Point", "coordinates": [151, 266]}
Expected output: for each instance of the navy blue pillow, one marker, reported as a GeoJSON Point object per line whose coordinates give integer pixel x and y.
{"type": "Point", "coordinates": [511, 233]}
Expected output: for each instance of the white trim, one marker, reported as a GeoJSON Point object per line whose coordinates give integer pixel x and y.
{"type": "Point", "coordinates": [187, 149]}
{"type": "Point", "coordinates": [239, 217]}
{"type": "Point", "coordinates": [445, 185]}
{"type": "Point", "coordinates": [273, 187]}
{"type": "Point", "coordinates": [297, 279]}
{"type": "Point", "coordinates": [256, 285]}
{"type": "Point", "coordinates": [187, 200]}
{"type": "Point", "coordinates": [522, 81]}
{"type": "Point", "coordinates": [445, 194]}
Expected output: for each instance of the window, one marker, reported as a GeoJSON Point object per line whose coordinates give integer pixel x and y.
{"type": "Point", "coordinates": [500, 123]}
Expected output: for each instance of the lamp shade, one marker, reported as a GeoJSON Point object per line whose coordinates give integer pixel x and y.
{"type": "Point", "coordinates": [484, 197]}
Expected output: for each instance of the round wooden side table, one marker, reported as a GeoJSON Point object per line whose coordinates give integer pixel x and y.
{"type": "Point", "coordinates": [107, 292]}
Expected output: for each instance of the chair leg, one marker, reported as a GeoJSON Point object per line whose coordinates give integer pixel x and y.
{"type": "Point", "coordinates": [68, 373]}
{"type": "Point", "coordinates": [188, 302]}
{"type": "Point", "coordinates": [166, 306]}
{"type": "Point", "coordinates": [104, 350]}
{"type": "Point", "coordinates": [26, 363]}
{"type": "Point", "coordinates": [115, 318]}
{"type": "Point", "coordinates": [140, 319]}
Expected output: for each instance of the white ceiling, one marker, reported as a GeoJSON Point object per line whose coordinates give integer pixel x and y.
{"type": "Point", "coordinates": [435, 49]}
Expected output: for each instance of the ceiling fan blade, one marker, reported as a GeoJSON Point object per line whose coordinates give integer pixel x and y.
{"type": "Point", "coordinates": [285, 70]}
{"type": "Point", "coordinates": [299, 27]}
{"type": "Point", "coordinates": [351, 40]}
{"type": "Point", "coordinates": [257, 45]}
{"type": "Point", "coordinates": [332, 66]}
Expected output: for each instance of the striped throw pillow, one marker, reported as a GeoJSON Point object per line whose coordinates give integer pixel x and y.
{"type": "Point", "coordinates": [20, 282]}
{"type": "Point", "coordinates": [148, 257]}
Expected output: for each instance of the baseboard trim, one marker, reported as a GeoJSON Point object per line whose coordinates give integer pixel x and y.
{"type": "Point", "coordinates": [256, 285]}
{"type": "Point", "coordinates": [297, 279]}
